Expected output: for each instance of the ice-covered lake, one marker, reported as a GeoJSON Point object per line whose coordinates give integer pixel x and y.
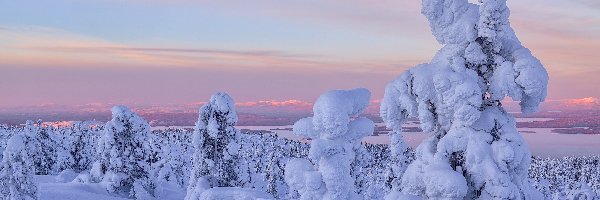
{"type": "Point", "coordinates": [541, 141]}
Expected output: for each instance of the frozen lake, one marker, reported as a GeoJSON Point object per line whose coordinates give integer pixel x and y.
{"type": "Point", "coordinates": [541, 141]}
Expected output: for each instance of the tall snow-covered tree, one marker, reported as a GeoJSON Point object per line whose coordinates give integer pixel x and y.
{"type": "Point", "coordinates": [124, 149]}
{"type": "Point", "coordinates": [475, 151]}
{"type": "Point", "coordinates": [336, 131]}
{"type": "Point", "coordinates": [43, 147]}
{"type": "Point", "coordinates": [216, 140]}
{"type": "Point", "coordinates": [273, 169]}
{"type": "Point", "coordinates": [16, 171]}
{"type": "Point", "coordinates": [63, 160]}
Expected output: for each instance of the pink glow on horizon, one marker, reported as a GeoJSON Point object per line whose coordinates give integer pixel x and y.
{"type": "Point", "coordinates": [37, 62]}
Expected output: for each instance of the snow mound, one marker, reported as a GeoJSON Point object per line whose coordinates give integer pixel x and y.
{"type": "Point", "coordinates": [233, 193]}
{"type": "Point", "coordinates": [66, 176]}
{"type": "Point", "coordinates": [75, 191]}
{"type": "Point", "coordinates": [83, 178]}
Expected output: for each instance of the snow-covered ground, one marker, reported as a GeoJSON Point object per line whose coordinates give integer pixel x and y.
{"type": "Point", "coordinates": [59, 187]}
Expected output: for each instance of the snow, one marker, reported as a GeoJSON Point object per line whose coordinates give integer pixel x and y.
{"type": "Point", "coordinates": [333, 110]}
{"type": "Point", "coordinates": [14, 144]}
{"type": "Point", "coordinates": [66, 176]}
{"type": "Point", "coordinates": [123, 151]}
{"type": "Point", "coordinates": [264, 153]}
{"type": "Point", "coordinates": [229, 193]}
{"type": "Point", "coordinates": [74, 191]}
{"type": "Point", "coordinates": [336, 132]}
{"type": "Point", "coordinates": [216, 158]}
{"type": "Point", "coordinates": [52, 189]}
{"type": "Point", "coordinates": [473, 151]}
{"type": "Point", "coordinates": [304, 128]}
{"type": "Point", "coordinates": [476, 150]}
{"type": "Point", "coordinates": [302, 177]}
{"type": "Point", "coordinates": [16, 171]}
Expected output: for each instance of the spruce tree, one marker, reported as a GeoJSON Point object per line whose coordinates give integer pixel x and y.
{"type": "Point", "coordinates": [43, 147]}
{"type": "Point", "coordinates": [16, 170]}
{"type": "Point", "coordinates": [476, 151]}
{"type": "Point", "coordinates": [124, 156]}
{"type": "Point", "coordinates": [216, 158]}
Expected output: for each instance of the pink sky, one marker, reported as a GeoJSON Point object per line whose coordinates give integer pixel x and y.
{"type": "Point", "coordinates": [177, 52]}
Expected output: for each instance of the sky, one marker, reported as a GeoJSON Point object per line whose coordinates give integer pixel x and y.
{"type": "Point", "coordinates": [181, 51]}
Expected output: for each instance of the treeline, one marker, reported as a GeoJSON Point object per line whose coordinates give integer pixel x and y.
{"type": "Point", "coordinates": [74, 147]}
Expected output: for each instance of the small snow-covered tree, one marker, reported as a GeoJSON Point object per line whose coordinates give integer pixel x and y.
{"type": "Point", "coordinates": [82, 140]}
{"type": "Point", "coordinates": [476, 152]}
{"type": "Point", "coordinates": [577, 191]}
{"type": "Point", "coordinates": [394, 118]}
{"type": "Point", "coordinates": [273, 168]}
{"type": "Point", "coordinates": [5, 134]}
{"type": "Point", "coordinates": [336, 132]}
{"type": "Point", "coordinates": [16, 171]}
{"type": "Point", "coordinates": [123, 165]}
{"type": "Point", "coordinates": [216, 158]}
{"type": "Point", "coordinates": [170, 165]}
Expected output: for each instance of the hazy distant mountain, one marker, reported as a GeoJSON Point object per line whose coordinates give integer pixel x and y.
{"type": "Point", "coordinates": [267, 112]}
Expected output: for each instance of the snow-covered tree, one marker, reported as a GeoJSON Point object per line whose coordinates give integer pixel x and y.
{"type": "Point", "coordinates": [43, 147]}
{"type": "Point", "coordinates": [216, 158]}
{"type": "Point", "coordinates": [63, 160]}
{"type": "Point", "coordinates": [394, 118]}
{"type": "Point", "coordinates": [123, 165]}
{"type": "Point", "coordinates": [170, 165]}
{"type": "Point", "coordinates": [16, 171]}
{"type": "Point", "coordinates": [253, 151]}
{"type": "Point", "coordinates": [5, 134]}
{"type": "Point", "coordinates": [82, 140]}
{"type": "Point", "coordinates": [336, 132]}
{"type": "Point", "coordinates": [476, 151]}
{"type": "Point", "coordinates": [274, 167]}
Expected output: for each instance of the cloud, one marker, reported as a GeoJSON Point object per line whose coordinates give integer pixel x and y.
{"type": "Point", "coordinates": [161, 51]}
{"type": "Point", "coordinates": [48, 46]}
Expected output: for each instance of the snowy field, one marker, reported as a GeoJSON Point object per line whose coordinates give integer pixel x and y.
{"type": "Point", "coordinates": [61, 187]}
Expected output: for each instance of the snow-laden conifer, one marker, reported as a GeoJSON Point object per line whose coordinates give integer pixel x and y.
{"type": "Point", "coordinates": [216, 160]}
{"type": "Point", "coordinates": [43, 147]}
{"type": "Point", "coordinates": [16, 170]}
{"type": "Point", "coordinates": [170, 166]}
{"type": "Point", "coordinates": [476, 151]}
{"type": "Point", "coordinates": [82, 142]}
{"type": "Point", "coordinates": [336, 131]}
{"type": "Point", "coordinates": [123, 164]}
